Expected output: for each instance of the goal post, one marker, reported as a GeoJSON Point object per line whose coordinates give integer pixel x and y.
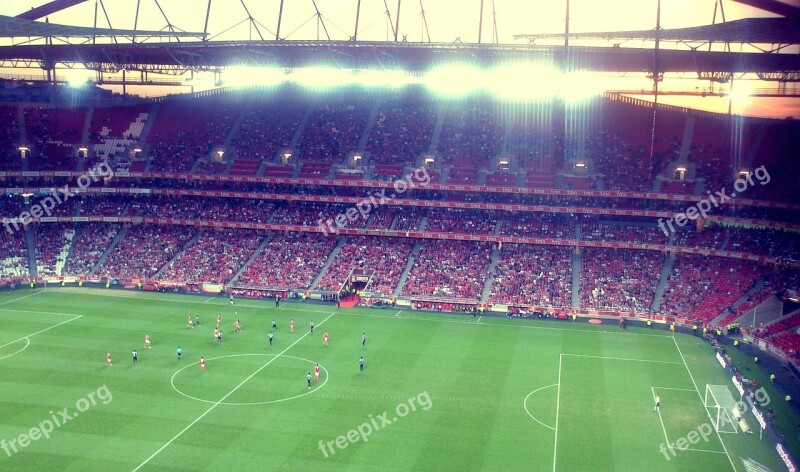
{"type": "Point", "coordinates": [722, 408]}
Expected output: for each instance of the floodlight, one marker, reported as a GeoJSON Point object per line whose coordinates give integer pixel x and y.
{"type": "Point", "coordinates": [382, 78]}
{"type": "Point", "coordinates": [243, 76]}
{"type": "Point", "coordinates": [740, 90]}
{"type": "Point", "coordinates": [77, 82]}
{"type": "Point", "coordinates": [454, 80]}
{"type": "Point", "coordinates": [322, 77]}
{"type": "Point", "coordinates": [523, 81]}
{"type": "Point", "coordinates": [580, 86]}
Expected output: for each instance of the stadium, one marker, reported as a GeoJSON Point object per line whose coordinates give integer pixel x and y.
{"type": "Point", "coordinates": [262, 236]}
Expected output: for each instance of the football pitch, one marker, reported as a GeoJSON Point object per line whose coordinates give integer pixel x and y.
{"type": "Point", "coordinates": [439, 392]}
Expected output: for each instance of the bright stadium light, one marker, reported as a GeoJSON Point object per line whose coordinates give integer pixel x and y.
{"type": "Point", "coordinates": [524, 82]}
{"type": "Point", "coordinates": [454, 80]}
{"type": "Point", "coordinates": [740, 90]}
{"type": "Point", "coordinates": [322, 77]}
{"type": "Point", "coordinates": [581, 86]}
{"type": "Point", "coordinates": [243, 76]}
{"type": "Point", "coordinates": [382, 78]}
{"type": "Point", "coordinates": [77, 82]}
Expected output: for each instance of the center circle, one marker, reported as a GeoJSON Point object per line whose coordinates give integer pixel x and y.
{"type": "Point", "coordinates": [266, 402]}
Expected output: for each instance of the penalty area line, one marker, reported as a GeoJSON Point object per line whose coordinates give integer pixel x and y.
{"type": "Point", "coordinates": [19, 298]}
{"type": "Point", "coordinates": [40, 331]}
{"type": "Point", "coordinates": [691, 377]}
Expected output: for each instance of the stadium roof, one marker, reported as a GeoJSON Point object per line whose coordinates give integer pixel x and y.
{"type": "Point", "coordinates": [15, 27]}
{"type": "Point", "coordinates": [410, 56]}
{"type": "Point", "coordinates": [748, 30]}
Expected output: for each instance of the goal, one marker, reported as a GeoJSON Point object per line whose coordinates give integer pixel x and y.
{"type": "Point", "coordinates": [722, 408]}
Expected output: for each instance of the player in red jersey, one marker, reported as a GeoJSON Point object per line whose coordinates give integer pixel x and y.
{"type": "Point", "coordinates": [325, 338]}
{"type": "Point", "coordinates": [219, 319]}
{"type": "Point", "coordinates": [316, 372]}
{"type": "Point", "coordinates": [202, 364]}
{"type": "Point", "coordinates": [191, 322]}
{"type": "Point", "coordinates": [108, 358]}
{"type": "Point", "coordinates": [216, 333]}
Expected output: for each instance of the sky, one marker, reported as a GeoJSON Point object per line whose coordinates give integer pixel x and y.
{"type": "Point", "coordinates": [447, 21]}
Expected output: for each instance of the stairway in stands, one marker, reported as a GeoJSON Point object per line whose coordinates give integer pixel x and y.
{"type": "Point", "coordinates": [410, 265]}
{"type": "Point", "coordinates": [23, 135]}
{"type": "Point", "coordinates": [487, 284]}
{"type": "Point", "coordinates": [666, 269]}
{"type": "Point", "coordinates": [253, 257]}
{"type": "Point", "coordinates": [30, 241]}
{"type": "Point", "coordinates": [240, 165]}
{"type": "Point", "coordinates": [331, 258]}
{"type": "Point", "coordinates": [576, 280]}
{"type": "Point", "coordinates": [373, 116]}
{"type": "Point", "coordinates": [142, 142]}
{"type": "Point", "coordinates": [437, 129]}
{"type": "Point", "coordinates": [186, 246]}
{"type": "Point", "coordinates": [102, 259]}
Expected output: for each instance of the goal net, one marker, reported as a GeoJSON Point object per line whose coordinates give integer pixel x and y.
{"type": "Point", "coordinates": [722, 407]}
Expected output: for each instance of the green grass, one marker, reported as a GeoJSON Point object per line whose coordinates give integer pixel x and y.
{"type": "Point", "coordinates": [504, 394]}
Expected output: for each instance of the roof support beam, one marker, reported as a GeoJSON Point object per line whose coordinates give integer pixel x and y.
{"type": "Point", "coordinates": [48, 8]}
{"type": "Point", "coordinates": [774, 6]}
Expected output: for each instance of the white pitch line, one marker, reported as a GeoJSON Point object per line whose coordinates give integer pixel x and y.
{"type": "Point", "coordinates": [20, 298]}
{"type": "Point", "coordinates": [701, 400]}
{"type": "Point", "coordinates": [705, 450]}
{"type": "Point", "coordinates": [28, 343]}
{"type": "Point", "coordinates": [40, 331]}
{"type": "Point", "coordinates": [398, 312]}
{"type": "Point", "coordinates": [479, 319]}
{"type": "Point", "coordinates": [209, 299]}
{"type": "Point", "coordinates": [558, 403]}
{"type": "Point", "coordinates": [678, 389]}
{"type": "Point", "coordinates": [525, 406]}
{"type": "Point", "coordinates": [210, 409]}
{"type": "Point", "coordinates": [40, 312]}
{"type": "Point", "coordinates": [620, 358]}
{"type": "Point", "coordinates": [661, 419]}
